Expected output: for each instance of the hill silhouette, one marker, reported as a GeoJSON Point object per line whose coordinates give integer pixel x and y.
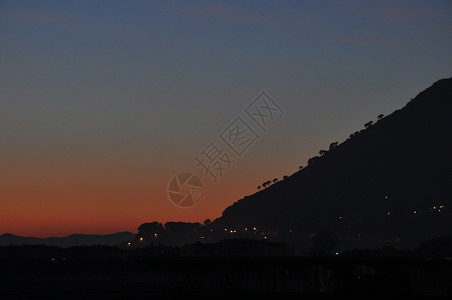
{"type": "Point", "coordinates": [389, 182]}
{"type": "Point", "coordinates": [113, 239]}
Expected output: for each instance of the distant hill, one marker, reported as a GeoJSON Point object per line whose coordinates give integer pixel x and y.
{"type": "Point", "coordinates": [392, 181]}
{"type": "Point", "coordinates": [113, 239]}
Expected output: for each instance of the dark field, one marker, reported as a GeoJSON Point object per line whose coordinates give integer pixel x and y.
{"type": "Point", "coordinates": [117, 274]}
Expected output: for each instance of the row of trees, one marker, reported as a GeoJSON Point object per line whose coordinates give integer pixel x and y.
{"type": "Point", "coordinates": [335, 144]}
{"type": "Point", "coordinates": [321, 153]}
{"type": "Point", "coordinates": [268, 183]}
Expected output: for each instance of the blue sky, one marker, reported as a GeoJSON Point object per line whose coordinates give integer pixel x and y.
{"type": "Point", "coordinates": [141, 86]}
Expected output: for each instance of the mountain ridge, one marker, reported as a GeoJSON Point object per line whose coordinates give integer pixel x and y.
{"type": "Point", "coordinates": [398, 166]}
{"type": "Point", "coordinates": [76, 239]}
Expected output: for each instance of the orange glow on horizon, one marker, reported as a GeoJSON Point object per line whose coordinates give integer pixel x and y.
{"type": "Point", "coordinates": [59, 199]}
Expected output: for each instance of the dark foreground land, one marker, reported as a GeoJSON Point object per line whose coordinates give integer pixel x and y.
{"type": "Point", "coordinates": [110, 273]}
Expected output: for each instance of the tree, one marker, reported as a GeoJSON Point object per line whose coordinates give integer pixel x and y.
{"type": "Point", "coordinates": [333, 145]}
{"type": "Point", "coordinates": [148, 229]}
{"type": "Point", "coordinates": [380, 116]}
{"type": "Point", "coordinates": [322, 152]}
{"type": "Point", "coordinates": [259, 187]}
{"type": "Point", "coordinates": [275, 180]}
{"type": "Point", "coordinates": [285, 177]}
{"type": "Point", "coordinates": [300, 167]}
{"type": "Point", "coordinates": [368, 124]}
{"type": "Point", "coordinates": [207, 222]}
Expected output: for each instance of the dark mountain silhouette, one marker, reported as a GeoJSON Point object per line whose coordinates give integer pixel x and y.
{"type": "Point", "coordinates": [389, 182]}
{"type": "Point", "coordinates": [113, 239]}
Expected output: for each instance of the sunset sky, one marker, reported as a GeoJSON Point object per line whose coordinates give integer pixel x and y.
{"type": "Point", "coordinates": [103, 102]}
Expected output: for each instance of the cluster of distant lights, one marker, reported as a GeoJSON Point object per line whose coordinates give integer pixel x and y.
{"type": "Point", "coordinates": [265, 234]}
{"type": "Point", "coordinates": [226, 230]}
{"type": "Point", "coordinates": [388, 213]}
{"type": "Point", "coordinates": [434, 208]}
{"type": "Point", "coordinates": [254, 231]}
